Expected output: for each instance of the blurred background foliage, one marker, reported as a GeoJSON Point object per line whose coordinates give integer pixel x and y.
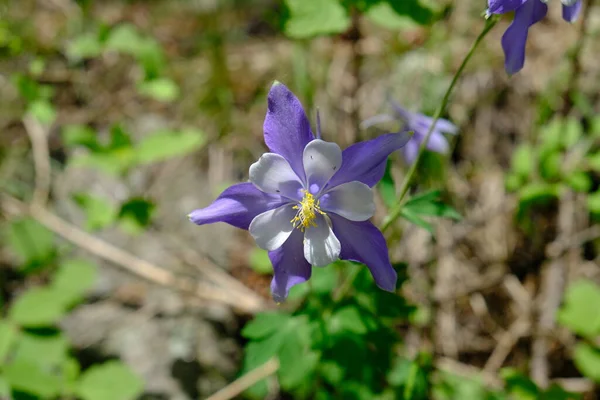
{"type": "Point", "coordinates": [120, 117]}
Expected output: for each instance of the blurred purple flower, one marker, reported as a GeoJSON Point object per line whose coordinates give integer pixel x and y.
{"type": "Point", "coordinates": [308, 202]}
{"type": "Point", "coordinates": [527, 13]}
{"type": "Point", "coordinates": [419, 124]}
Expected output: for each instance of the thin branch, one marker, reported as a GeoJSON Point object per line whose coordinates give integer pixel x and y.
{"type": "Point", "coordinates": [244, 382]}
{"type": "Point", "coordinates": [38, 136]}
{"type": "Point", "coordinates": [128, 261]}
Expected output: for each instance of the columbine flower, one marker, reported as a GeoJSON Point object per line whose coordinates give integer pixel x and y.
{"type": "Point", "coordinates": [308, 202]}
{"type": "Point", "coordinates": [527, 13]}
{"type": "Point", "coordinates": [419, 124]}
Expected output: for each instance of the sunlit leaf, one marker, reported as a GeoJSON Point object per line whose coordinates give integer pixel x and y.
{"type": "Point", "coordinates": [587, 360]}
{"type": "Point", "coordinates": [265, 324]}
{"type": "Point", "coordinates": [164, 145]}
{"type": "Point", "coordinates": [579, 312]}
{"type": "Point", "coordinates": [315, 17]}
{"type": "Point", "coordinates": [32, 242]}
{"type": "Point", "coordinates": [38, 307]}
{"type": "Point", "coordinates": [45, 351]}
{"type": "Point", "coordinates": [43, 111]}
{"type": "Point", "coordinates": [87, 45]}
{"type": "Point", "coordinates": [8, 335]}
{"type": "Point", "coordinates": [109, 381]}
{"type": "Point", "coordinates": [74, 278]}
{"type": "Point", "coordinates": [160, 89]}
{"type": "Point", "coordinates": [260, 262]}
{"type": "Point", "coordinates": [29, 377]}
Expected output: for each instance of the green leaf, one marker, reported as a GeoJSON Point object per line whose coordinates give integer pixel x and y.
{"type": "Point", "coordinates": [4, 387]}
{"type": "Point", "coordinates": [519, 386]}
{"type": "Point", "coordinates": [579, 181]}
{"type": "Point", "coordinates": [593, 202]}
{"type": "Point", "coordinates": [572, 132]}
{"type": "Point", "coordinates": [555, 392]}
{"type": "Point", "coordinates": [74, 278]}
{"type": "Point", "coordinates": [99, 212]}
{"type": "Point", "coordinates": [8, 335]}
{"type": "Point", "coordinates": [315, 17]}
{"type": "Point", "coordinates": [550, 164]}
{"type": "Point", "coordinates": [587, 360]}
{"type": "Point", "coordinates": [113, 163]}
{"type": "Point", "coordinates": [260, 262]}
{"type": "Point", "coordinates": [30, 377]}
{"type": "Point", "coordinates": [164, 145]}
{"type": "Point", "coordinates": [136, 214]}
{"type": "Point", "coordinates": [124, 38]}
{"type": "Point", "coordinates": [551, 135]}
{"type": "Point", "coordinates": [350, 319]}
{"type": "Point", "coordinates": [38, 307]}
{"type": "Point", "coordinates": [595, 127]}
{"type": "Point", "coordinates": [161, 89]}
{"type": "Point", "coordinates": [45, 351]}
{"type": "Point", "coordinates": [110, 381]}
{"type": "Point", "coordinates": [84, 46]}
{"type": "Point", "coordinates": [415, 219]}
{"type": "Point", "coordinates": [534, 192]}
{"type": "Point", "coordinates": [43, 111]}
{"type": "Point", "coordinates": [579, 312]}
{"type": "Point", "coordinates": [399, 15]}
{"type": "Point", "coordinates": [265, 324]}
{"type": "Point", "coordinates": [387, 187]}
{"type": "Point", "coordinates": [513, 182]}
{"type": "Point", "coordinates": [523, 160]}
{"type": "Point", "coordinates": [80, 135]}
{"type": "Point", "coordinates": [429, 204]}
{"type": "Point", "coordinates": [32, 242]}
{"type": "Point", "coordinates": [593, 161]}
{"type": "Point", "coordinates": [297, 361]}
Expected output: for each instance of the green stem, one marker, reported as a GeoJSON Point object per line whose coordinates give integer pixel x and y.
{"type": "Point", "coordinates": [397, 209]}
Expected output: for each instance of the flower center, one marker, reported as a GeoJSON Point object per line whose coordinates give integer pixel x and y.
{"type": "Point", "coordinates": [307, 212]}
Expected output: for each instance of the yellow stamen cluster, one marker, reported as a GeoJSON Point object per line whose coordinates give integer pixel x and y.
{"type": "Point", "coordinates": [307, 212]}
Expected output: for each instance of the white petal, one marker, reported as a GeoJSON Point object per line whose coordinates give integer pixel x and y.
{"type": "Point", "coordinates": [272, 228]}
{"type": "Point", "coordinates": [321, 160]}
{"type": "Point", "coordinates": [321, 247]}
{"type": "Point", "coordinates": [351, 200]}
{"type": "Point", "coordinates": [273, 174]}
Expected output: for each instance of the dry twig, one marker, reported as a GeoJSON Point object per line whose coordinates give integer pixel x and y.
{"type": "Point", "coordinates": [125, 260]}
{"type": "Point", "coordinates": [38, 136]}
{"type": "Point", "coordinates": [244, 382]}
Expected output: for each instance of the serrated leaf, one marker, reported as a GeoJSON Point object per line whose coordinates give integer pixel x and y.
{"type": "Point", "coordinates": [315, 17]}
{"type": "Point", "coordinates": [579, 312]}
{"type": "Point", "coordinates": [587, 360]}
{"type": "Point", "coordinates": [45, 351]}
{"type": "Point", "coordinates": [350, 319]}
{"type": "Point", "coordinates": [38, 307]}
{"type": "Point", "coordinates": [29, 377]}
{"type": "Point", "coordinates": [161, 89]}
{"type": "Point", "coordinates": [109, 381]}
{"type": "Point", "coordinates": [32, 242]}
{"type": "Point", "coordinates": [168, 144]}
{"type": "Point", "coordinates": [99, 212]}
{"type": "Point", "coordinates": [74, 278]}
{"type": "Point", "coordinates": [8, 335]}
{"type": "Point", "coordinates": [264, 324]}
{"type": "Point", "coordinates": [297, 361]}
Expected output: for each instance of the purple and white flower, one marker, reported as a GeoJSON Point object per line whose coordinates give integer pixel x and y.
{"type": "Point", "coordinates": [527, 13]}
{"type": "Point", "coordinates": [419, 125]}
{"type": "Point", "coordinates": [308, 202]}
